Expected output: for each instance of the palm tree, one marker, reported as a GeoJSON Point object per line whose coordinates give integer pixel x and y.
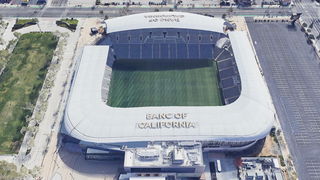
{"type": "Point", "coordinates": [311, 25]}
{"type": "Point", "coordinates": [223, 16]}
{"type": "Point", "coordinates": [230, 10]}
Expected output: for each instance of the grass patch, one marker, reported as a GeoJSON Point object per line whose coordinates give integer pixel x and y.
{"type": "Point", "coordinates": [70, 21]}
{"type": "Point", "coordinates": [20, 84]}
{"type": "Point", "coordinates": [70, 24]}
{"type": "Point", "coordinates": [25, 21]}
{"type": "Point", "coordinates": [4, 54]}
{"type": "Point", "coordinates": [282, 163]}
{"type": "Point", "coordinates": [20, 23]}
{"type": "Point", "coordinates": [138, 83]}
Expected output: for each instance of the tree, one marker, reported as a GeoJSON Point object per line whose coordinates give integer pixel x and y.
{"type": "Point", "coordinates": [124, 11]}
{"type": "Point", "coordinates": [224, 16]}
{"type": "Point", "coordinates": [230, 10]}
{"type": "Point", "coordinates": [311, 25]}
{"type": "Point", "coordinates": [267, 12]}
{"type": "Point", "coordinates": [8, 171]}
{"type": "Point", "coordinates": [304, 24]}
{"type": "Point", "coordinates": [318, 38]}
{"type": "Point", "coordinates": [311, 36]}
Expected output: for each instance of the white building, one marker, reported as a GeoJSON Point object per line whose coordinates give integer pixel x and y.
{"type": "Point", "coordinates": [237, 125]}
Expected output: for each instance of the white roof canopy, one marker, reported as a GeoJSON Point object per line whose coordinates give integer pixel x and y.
{"type": "Point", "coordinates": [165, 20]}
{"type": "Point", "coordinates": [88, 118]}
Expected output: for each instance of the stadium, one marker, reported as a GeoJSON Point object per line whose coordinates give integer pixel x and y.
{"type": "Point", "coordinates": [163, 87]}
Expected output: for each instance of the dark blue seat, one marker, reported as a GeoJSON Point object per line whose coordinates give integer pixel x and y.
{"type": "Point", "coordinates": [224, 55]}
{"type": "Point", "coordinates": [165, 43]}
{"type": "Point", "coordinates": [206, 51]}
{"type": "Point", "coordinates": [225, 64]}
{"type": "Point", "coordinates": [172, 51]}
{"type": "Point", "coordinates": [146, 51]}
{"type": "Point", "coordinates": [157, 32]}
{"type": "Point", "coordinates": [135, 37]}
{"type": "Point", "coordinates": [182, 51]}
{"type": "Point", "coordinates": [231, 92]}
{"type": "Point", "coordinates": [226, 83]}
{"type": "Point", "coordinates": [193, 51]}
{"type": "Point", "coordinates": [205, 38]}
{"type": "Point", "coordinates": [193, 38]}
{"type": "Point", "coordinates": [164, 51]}
{"type": "Point", "coordinates": [156, 51]}
{"type": "Point", "coordinates": [230, 100]}
{"type": "Point", "coordinates": [227, 73]}
{"type": "Point", "coordinates": [135, 51]}
{"type": "Point", "coordinates": [124, 37]}
{"type": "Point", "coordinates": [121, 51]}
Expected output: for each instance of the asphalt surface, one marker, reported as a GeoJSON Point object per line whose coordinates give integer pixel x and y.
{"type": "Point", "coordinates": [292, 71]}
{"type": "Point", "coordinates": [117, 11]}
{"type": "Point", "coordinates": [310, 13]}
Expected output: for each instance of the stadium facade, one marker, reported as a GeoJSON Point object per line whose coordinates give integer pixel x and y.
{"type": "Point", "coordinates": [170, 139]}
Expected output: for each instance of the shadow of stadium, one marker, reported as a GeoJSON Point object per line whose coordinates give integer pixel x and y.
{"type": "Point", "coordinates": [159, 64]}
{"type": "Point", "coordinates": [71, 155]}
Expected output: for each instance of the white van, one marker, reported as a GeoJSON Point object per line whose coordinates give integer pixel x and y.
{"type": "Point", "coordinates": [219, 166]}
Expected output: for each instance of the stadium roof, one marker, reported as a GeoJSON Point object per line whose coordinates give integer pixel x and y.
{"type": "Point", "coordinates": [88, 118]}
{"type": "Point", "coordinates": [165, 20]}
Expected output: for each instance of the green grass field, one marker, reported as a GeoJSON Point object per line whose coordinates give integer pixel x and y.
{"type": "Point", "coordinates": [138, 83]}
{"type": "Point", "coordinates": [20, 85]}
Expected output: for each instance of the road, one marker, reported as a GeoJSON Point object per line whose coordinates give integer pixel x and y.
{"type": "Point", "coordinates": [113, 11]}
{"type": "Point", "coordinates": [292, 71]}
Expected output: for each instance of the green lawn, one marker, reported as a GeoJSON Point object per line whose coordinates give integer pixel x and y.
{"type": "Point", "coordinates": [20, 85]}
{"type": "Point", "coordinates": [70, 21]}
{"type": "Point", "coordinates": [24, 21]}
{"type": "Point", "coordinates": [138, 83]}
{"type": "Point", "coordinates": [70, 24]}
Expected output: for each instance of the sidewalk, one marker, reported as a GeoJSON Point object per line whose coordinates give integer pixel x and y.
{"type": "Point", "coordinates": [67, 47]}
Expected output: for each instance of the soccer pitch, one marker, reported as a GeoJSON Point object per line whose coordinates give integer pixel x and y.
{"type": "Point", "coordinates": [140, 83]}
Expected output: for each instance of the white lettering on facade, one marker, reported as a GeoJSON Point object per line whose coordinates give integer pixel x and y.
{"type": "Point", "coordinates": [160, 125]}
{"type": "Point", "coordinates": [166, 116]}
{"type": "Point", "coordinates": [164, 18]}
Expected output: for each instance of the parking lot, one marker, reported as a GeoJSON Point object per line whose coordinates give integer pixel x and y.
{"type": "Point", "coordinates": [292, 71]}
